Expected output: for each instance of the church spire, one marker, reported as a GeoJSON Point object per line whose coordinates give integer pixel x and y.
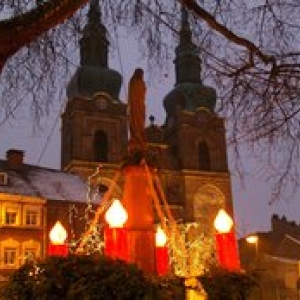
{"type": "Point", "coordinates": [185, 32]}
{"type": "Point", "coordinates": [187, 61]}
{"type": "Point", "coordinates": [189, 92]}
{"type": "Point", "coordinates": [94, 75]}
{"type": "Point", "coordinates": [94, 43]}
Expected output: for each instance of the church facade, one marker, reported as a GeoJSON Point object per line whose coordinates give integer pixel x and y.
{"type": "Point", "coordinates": [189, 149]}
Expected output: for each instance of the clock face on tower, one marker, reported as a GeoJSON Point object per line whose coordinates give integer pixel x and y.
{"type": "Point", "coordinates": [101, 101]}
{"type": "Point", "coordinates": [203, 116]}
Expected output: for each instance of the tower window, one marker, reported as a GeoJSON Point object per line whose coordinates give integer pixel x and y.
{"type": "Point", "coordinates": [101, 146]}
{"type": "Point", "coordinates": [204, 157]}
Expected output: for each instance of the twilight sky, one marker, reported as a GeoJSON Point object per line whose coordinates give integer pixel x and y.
{"type": "Point", "coordinates": [250, 197]}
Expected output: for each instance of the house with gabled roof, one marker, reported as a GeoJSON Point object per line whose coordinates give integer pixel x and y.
{"type": "Point", "coordinates": [32, 199]}
{"type": "Point", "coordinates": [275, 256]}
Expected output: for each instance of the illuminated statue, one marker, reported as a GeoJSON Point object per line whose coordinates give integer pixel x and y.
{"type": "Point", "coordinates": [137, 111]}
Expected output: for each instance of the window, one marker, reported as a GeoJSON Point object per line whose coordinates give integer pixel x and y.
{"type": "Point", "coordinates": [31, 218]}
{"type": "Point", "coordinates": [10, 256]}
{"type": "Point", "coordinates": [101, 146]}
{"type": "Point", "coordinates": [204, 157]}
{"type": "Point", "coordinates": [10, 214]}
{"type": "Point", "coordinates": [31, 250]}
{"type": "Point", "coordinates": [32, 215]}
{"type": "Point", "coordinates": [9, 249]}
{"type": "Point", "coordinates": [3, 178]}
{"type": "Point", "coordinates": [207, 202]}
{"type": "Point", "coordinates": [10, 217]}
{"type": "Point", "coordinates": [30, 254]}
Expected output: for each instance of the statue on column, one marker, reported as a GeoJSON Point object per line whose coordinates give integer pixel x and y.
{"type": "Point", "coordinates": [137, 112]}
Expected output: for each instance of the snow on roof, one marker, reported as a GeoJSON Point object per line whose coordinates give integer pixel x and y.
{"type": "Point", "coordinates": [43, 182]}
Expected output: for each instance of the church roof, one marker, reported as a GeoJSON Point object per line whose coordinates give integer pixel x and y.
{"type": "Point", "coordinates": [35, 181]}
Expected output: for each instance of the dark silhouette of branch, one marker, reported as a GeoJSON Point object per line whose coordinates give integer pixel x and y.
{"type": "Point", "coordinates": [23, 29]}
{"type": "Point", "coordinates": [214, 24]}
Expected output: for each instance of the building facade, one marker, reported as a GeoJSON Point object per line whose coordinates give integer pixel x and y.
{"type": "Point", "coordinates": [32, 199]}
{"type": "Point", "coordinates": [275, 258]}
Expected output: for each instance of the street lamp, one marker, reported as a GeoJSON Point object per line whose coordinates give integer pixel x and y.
{"type": "Point", "coordinates": [115, 236]}
{"type": "Point", "coordinates": [58, 236]}
{"type": "Point", "coordinates": [225, 241]}
{"type": "Point", "coordinates": [253, 239]}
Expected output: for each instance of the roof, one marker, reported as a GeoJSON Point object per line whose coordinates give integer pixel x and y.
{"type": "Point", "coordinates": [36, 181]}
{"type": "Point", "coordinates": [288, 248]}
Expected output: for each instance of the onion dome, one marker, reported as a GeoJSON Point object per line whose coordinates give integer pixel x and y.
{"type": "Point", "coordinates": [93, 75]}
{"type": "Point", "coordinates": [189, 92]}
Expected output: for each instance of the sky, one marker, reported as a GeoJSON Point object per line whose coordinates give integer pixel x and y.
{"type": "Point", "coordinates": [250, 195]}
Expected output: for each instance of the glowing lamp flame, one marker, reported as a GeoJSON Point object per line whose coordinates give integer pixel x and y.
{"type": "Point", "coordinates": [223, 222]}
{"type": "Point", "coordinates": [58, 234]}
{"type": "Point", "coordinates": [160, 237]}
{"type": "Point", "coordinates": [116, 215]}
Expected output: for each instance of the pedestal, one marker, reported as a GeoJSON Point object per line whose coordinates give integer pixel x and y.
{"type": "Point", "coordinates": [140, 225]}
{"type": "Point", "coordinates": [141, 249]}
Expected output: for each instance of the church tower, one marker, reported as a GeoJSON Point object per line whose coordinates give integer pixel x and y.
{"type": "Point", "coordinates": [190, 148]}
{"type": "Point", "coordinates": [94, 126]}
{"type": "Point", "coordinates": [197, 176]}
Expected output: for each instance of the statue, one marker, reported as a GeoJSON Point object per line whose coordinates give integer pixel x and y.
{"type": "Point", "coordinates": [137, 112]}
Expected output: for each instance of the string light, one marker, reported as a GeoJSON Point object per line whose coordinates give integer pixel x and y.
{"type": "Point", "coordinates": [190, 250]}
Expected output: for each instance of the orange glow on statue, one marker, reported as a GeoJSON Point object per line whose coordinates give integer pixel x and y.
{"type": "Point", "coordinates": [137, 111]}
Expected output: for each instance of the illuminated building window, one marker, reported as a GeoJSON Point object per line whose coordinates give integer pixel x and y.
{"type": "Point", "coordinates": [10, 256]}
{"type": "Point", "coordinates": [10, 253]}
{"type": "Point", "coordinates": [30, 254]}
{"type": "Point", "coordinates": [32, 215]}
{"type": "Point", "coordinates": [10, 214]}
{"type": "Point", "coordinates": [31, 250]}
{"type": "Point", "coordinates": [10, 217]}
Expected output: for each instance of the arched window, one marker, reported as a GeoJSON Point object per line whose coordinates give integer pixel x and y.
{"type": "Point", "coordinates": [208, 199]}
{"type": "Point", "coordinates": [101, 146]}
{"type": "Point", "coordinates": [204, 157]}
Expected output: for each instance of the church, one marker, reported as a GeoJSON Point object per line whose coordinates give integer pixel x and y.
{"type": "Point", "coordinates": [188, 151]}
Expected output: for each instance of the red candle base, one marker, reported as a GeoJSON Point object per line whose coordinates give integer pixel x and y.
{"type": "Point", "coordinates": [227, 252]}
{"type": "Point", "coordinates": [58, 250]}
{"type": "Point", "coordinates": [116, 243]}
{"type": "Point", "coordinates": [162, 260]}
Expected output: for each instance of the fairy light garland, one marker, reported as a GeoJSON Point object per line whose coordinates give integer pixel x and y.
{"type": "Point", "coordinates": [190, 251]}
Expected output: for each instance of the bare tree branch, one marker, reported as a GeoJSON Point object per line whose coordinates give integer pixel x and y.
{"type": "Point", "coordinates": [212, 22]}
{"type": "Point", "coordinates": [23, 29]}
